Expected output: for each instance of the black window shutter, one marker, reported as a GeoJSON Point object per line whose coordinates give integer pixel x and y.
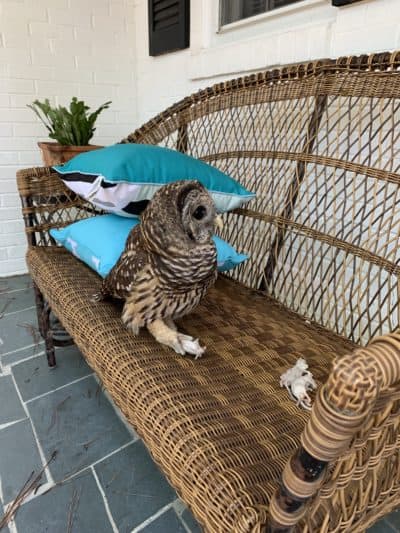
{"type": "Point", "coordinates": [169, 25]}
{"type": "Point", "coordinates": [338, 3]}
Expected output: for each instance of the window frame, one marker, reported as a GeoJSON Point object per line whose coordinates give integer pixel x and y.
{"type": "Point", "coordinates": [220, 53]}
{"type": "Point", "coordinates": [255, 19]}
{"type": "Point", "coordinates": [252, 17]}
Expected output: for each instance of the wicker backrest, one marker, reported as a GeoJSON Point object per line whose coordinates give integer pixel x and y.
{"type": "Point", "coordinates": [320, 145]}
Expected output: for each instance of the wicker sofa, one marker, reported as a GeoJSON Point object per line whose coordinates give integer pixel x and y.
{"type": "Point", "coordinates": [319, 143]}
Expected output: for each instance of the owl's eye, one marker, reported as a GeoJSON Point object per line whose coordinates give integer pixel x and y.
{"type": "Point", "coordinates": [199, 212]}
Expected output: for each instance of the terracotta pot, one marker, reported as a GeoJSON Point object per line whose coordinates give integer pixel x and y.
{"type": "Point", "coordinates": [55, 153]}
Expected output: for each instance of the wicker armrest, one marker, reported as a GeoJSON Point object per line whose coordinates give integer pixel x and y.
{"type": "Point", "coordinates": [47, 203]}
{"type": "Point", "coordinates": [343, 406]}
{"type": "Point", "coordinates": [35, 180]}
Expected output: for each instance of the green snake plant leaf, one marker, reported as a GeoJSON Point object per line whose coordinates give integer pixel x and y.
{"type": "Point", "coordinates": [73, 126]}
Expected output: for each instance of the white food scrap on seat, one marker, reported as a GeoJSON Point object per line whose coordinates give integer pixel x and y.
{"type": "Point", "coordinates": [298, 380]}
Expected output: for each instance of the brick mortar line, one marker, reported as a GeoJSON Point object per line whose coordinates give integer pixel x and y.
{"type": "Point", "coordinates": [7, 425]}
{"type": "Point", "coordinates": [7, 367]}
{"type": "Point", "coordinates": [47, 393]}
{"type": "Point", "coordinates": [39, 446]}
{"type": "Point", "coordinates": [179, 513]}
{"type": "Point", "coordinates": [19, 311]}
{"type": "Point", "coordinates": [11, 291]}
{"type": "Point", "coordinates": [105, 501]}
{"type": "Point", "coordinates": [19, 349]}
{"type": "Point", "coordinates": [98, 461]}
{"type": "Point", "coordinates": [153, 517]}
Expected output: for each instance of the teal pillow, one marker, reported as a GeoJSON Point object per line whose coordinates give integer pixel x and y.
{"type": "Point", "coordinates": [99, 241]}
{"type": "Point", "coordinates": [227, 256]}
{"type": "Point", "coordinates": [122, 178]}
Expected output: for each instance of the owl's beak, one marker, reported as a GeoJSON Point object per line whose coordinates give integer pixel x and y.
{"type": "Point", "coordinates": [219, 223]}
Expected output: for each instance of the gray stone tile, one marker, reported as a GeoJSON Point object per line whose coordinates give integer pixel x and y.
{"type": "Point", "coordinates": [75, 506]}
{"type": "Point", "coordinates": [19, 457]}
{"type": "Point", "coordinates": [382, 526]}
{"type": "Point", "coordinates": [190, 521]}
{"type": "Point", "coordinates": [10, 405]}
{"type": "Point", "coordinates": [18, 330]}
{"type": "Point", "coordinates": [168, 522]}
{"type": "Point", "coordinates": [12, 283]}
{"type": "Point", "coordinates": [4, 529]}
{"type": "Point", "coordinates": [80, 423]}
{"type": "Point", "coordinates": [134, 486]}
{"type": "Point", "coordinates": [16, 301]}
{"type": "Point", "coordinates": [23, 353]}
{"type": "Point", "coordinates": [34, 377]}
{"type": "Point", "coordinates": [394, 519]}
{"type": "Point", "coordinates": [185, 515]}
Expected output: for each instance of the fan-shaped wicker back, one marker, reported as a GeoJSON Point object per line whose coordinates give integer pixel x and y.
{"type": "Point", "coordinates": [320, 145]}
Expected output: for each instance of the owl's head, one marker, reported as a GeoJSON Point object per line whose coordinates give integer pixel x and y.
{"type": "Point", "coordinates": [197, 211]}
{"type": "Point", "coordinates": [181, 213]}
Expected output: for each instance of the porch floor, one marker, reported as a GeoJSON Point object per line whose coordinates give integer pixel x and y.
{"type": "Point", "coordinates": [99, 476]}
{"type": "Point", "coordinates": [102, 478]}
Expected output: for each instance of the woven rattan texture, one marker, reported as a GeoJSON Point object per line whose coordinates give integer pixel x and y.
{"type": "Point", "coordinates": [47, 203]}
{"type": "Point", "coordinates": [320, 146]}
{"type": "Point", "coordinates": [221, 428]}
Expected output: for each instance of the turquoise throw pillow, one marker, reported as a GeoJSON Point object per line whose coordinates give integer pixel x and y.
{"type": "Point", "coordinates": [99, 241]}
{"type": "Point", "coordinates": [227, 256]}
{"type": "Point", "coordinates": [122, 178]}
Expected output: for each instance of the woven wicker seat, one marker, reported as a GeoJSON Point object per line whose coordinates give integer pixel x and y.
{"type": "Point", "coordinates": [225, 414]}
{"type": "Point", "coordinates": [319, 143]}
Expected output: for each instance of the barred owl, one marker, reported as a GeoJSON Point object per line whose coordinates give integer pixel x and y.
{"type": "Point", "coordinates": [168, 263]}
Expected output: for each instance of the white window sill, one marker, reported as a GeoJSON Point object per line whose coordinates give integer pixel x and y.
{"type": "Point", "coordinates": [279, 12]}
{"type": "Point", "coordinates": [291, 34]}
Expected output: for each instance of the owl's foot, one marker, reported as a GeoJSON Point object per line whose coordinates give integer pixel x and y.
{"type": "Point", "coordinates": [191, 345]}
{"type": "Point", "coordinates": [182, 344]}
{"type": "Point", "coordinates": [133, 326]}
{"type": "Point", "coordinates": [170, 323]}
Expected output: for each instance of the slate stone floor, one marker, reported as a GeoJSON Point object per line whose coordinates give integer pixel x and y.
{"type": "Point", "coordinates": [101, 479]}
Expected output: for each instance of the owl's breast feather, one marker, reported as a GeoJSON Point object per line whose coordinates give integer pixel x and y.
{"type": "Point", "coordinates": [183, 269]}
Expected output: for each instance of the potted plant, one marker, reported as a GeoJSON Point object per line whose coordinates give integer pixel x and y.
{"type": "Point", "coordinates": [72, 129]}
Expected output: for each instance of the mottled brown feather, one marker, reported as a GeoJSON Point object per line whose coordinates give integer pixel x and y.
{"type": "Point", "coordinates": [163, 271]}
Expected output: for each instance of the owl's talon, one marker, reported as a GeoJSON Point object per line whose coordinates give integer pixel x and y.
{"type": "Point", "coordinates": [182, 344]}
{"type": "Point", "coordinates": [133, 327]}
{"type": "Point", "coordinates": [191, 345]}
{"type": "Point", "coordinates": [177, 346]}
{"type": "Point", "coordinates": [96, 297]}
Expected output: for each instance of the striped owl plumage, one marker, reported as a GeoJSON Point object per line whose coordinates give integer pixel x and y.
{"type": "Point", "coordinates": [168, 263]}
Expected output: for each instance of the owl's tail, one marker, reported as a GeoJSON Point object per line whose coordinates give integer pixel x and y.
{"type": "Point", "coordinates": [97, 297]}
{"type": "Point", "coordinates": [102, 294]}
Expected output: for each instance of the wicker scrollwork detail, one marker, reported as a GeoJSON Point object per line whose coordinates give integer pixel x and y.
{"type": "Point", "coordinates": [342, 406]}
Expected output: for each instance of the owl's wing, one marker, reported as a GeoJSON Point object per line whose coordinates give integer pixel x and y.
{"type": "Point", "coordinates": [121, 278]}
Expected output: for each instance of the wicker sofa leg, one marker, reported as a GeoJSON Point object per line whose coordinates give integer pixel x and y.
{"type": "Point", "coordinates": [39, 301]}
{"type": "Point", "coordinates": [48, 336]}
{"type": "Point", "coordinates": [43, 317]}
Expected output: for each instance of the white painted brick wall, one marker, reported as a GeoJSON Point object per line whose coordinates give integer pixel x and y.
{"type": "Point", "coordinates": [98, 50]}
{"type": "Point", "coordinates": [310, 29]}
{"type": "Point", "coordinates": [57, 49]}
